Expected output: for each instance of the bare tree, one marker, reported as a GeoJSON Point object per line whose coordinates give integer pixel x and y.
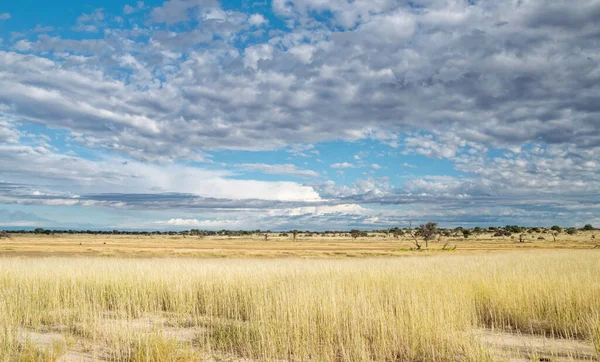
{"type": "Point", "coordinates": [294, 233]}
{"type": "Point", "coordinates": [415, 240]}
{"type": "Point", "coordinates": [446, 245]}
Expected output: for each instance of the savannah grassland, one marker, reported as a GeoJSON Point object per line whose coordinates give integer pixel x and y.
{"type": "Point", "coordinates": [169, 298]}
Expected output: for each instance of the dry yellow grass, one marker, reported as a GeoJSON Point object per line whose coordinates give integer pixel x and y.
{"type": "Point", "coordinates": [314, 246]}
{"type": "Point", "coordinates": [384, 309]}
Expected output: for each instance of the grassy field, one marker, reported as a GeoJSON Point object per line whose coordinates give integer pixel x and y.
{"type": "Point", "coordinates": [539, 304]}
{"type": "Point", "coordinates": [275, 246]}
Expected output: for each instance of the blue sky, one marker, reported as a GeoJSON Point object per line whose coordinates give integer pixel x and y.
{"type": "Point", "coordinates": [298, 113]}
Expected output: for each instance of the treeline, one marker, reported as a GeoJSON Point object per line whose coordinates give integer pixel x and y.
{"type": "Point", "coordinates": [507, 230]}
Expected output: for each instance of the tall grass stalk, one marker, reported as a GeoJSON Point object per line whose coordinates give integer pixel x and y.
{"type": "Point", "coordinates": [406, 309]}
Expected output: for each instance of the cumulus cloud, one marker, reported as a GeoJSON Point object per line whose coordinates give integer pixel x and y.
{"type": "Point", "coordinates": [43, 166]}
{"type": "Point", "coordinates": [342, 165]}
{"type": "Point", "coordinates": [432, 82]}
{"type": "Point", "coordinates": [42, 29]}
{"type": "Point", "coordinates": [257, 20]}
{"type": "Point", "coordinates": [176, 11]}
{"type": "Point", "coordinates": [451, 81]}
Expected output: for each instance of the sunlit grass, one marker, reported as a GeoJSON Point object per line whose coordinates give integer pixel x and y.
{"type": "Point", "coordinates": [407, 309]}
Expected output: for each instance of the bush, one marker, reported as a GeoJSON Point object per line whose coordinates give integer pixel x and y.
{"type": "Point", "coordinates": [515, 229]}
{"type": "Point", "coordinates": [501, 232]}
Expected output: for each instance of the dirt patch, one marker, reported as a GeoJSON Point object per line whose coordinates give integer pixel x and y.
{"type": "Point", "coordinates": [527, 348]}
{"type": "Point", "coordinates": [77, 357]}
{"type": "Point", "coordinates": [40, 339]}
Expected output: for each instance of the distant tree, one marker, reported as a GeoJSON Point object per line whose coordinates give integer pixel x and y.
{"type": "Point", "coordinates": [428, 232]}
{"type": "Point", "coordinates": [571, 231]}
{"type": "Point", "coordinates": [397, 232]}
{"type": "Point", "coordinates": [294, 234]}
{"type": "Point", "coordinates": [556, 228]}
{"type": "Point", "coordinates": [39, 231]}
{"type": "Point", "coordinates": [513, 229]}
{"type": "Point", "coordinates": [588, 227]}
{"type": "Point", "coordinates": [458, 230]}
{"type": "Point", "coordinates": [501, 232]}
{"type": "Point", "coordinates": [4, 235]}
{"type": "Point", "coordinates": [354, 233]}
{"type": "Point", "coordinates": [466, 233]}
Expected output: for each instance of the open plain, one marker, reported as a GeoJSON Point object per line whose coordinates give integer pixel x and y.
{"type": "Point", "coordinates": [322, 245]}
{"type": "Point", "coordinates": [319, 298]}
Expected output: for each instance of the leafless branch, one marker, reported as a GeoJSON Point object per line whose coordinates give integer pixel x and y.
{"type": "Point", "coordinates": [415, 240]}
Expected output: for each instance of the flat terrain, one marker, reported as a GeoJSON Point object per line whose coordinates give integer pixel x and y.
{"type": "Point", "coordinates": [173, 298]}
{"type": "Point", "coordinates": [275, 246]}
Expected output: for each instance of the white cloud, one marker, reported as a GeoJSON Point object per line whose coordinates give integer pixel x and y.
{"type": "Point", "coordinates": [255, 53]}
{"type": "Point", "coordinates": [342, 165]}
{"type": "Point", "coordinates": [5, 16]}
{"type": "Point", "coordinates": [303, 52]}
{"type": "Point", "coordinates": [200, 223]}
{"type": "Point", "coordinates": [257, 20]}
{"type": "Point", "coordinates": [23, 46]}
{"type": "Point", "coordinates": [285, 169]}
{"type": "Point", "coordinates": [40, 165]}
{"type": "Point", "coordinates": [343, 209]}
{"type": "Point", "coordinates": [42, 29]}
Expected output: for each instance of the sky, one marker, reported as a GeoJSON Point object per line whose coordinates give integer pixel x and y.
{"type": "Point", "coordinates": [299, 114]}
